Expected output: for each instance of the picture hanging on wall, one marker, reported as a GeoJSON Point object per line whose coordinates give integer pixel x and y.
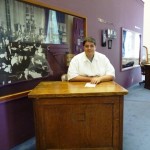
{"type": "Point", "coordinates": [103, 38]}
{"type": "Point", "coordinates": [23, 37]}
{"type": "Point", "coordinates": [109, 44]}
{"type": "Point", "coordinates": [131, 47]}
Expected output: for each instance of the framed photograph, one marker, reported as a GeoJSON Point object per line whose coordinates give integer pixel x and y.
{"type": "Point", "coordinates": [27, 29]}
{"type": "Point", "coordinates": [103, 38]}
{"type": "Point", "coordinates": [109, 44]}
{"type": "Point", "coordinates": [23, 37]}
{"type": "Point", "coordinates": [131, 47]}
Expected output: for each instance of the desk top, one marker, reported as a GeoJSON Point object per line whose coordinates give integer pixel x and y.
{"type": "Point", "coordinates": [73, 89]}
{"type": "Point", "coordinates": [147, 64]}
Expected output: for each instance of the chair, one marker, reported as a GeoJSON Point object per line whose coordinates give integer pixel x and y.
{"type": "Point", "coordinates": [143, 60]}
{"type": "Point", "coordinates": [69, 56]}
{"type": "Point", "coordinates": [64, 77]}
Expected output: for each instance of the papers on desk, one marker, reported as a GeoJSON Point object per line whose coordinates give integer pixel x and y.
{"type": "Point", "coordinates": [90, 85]}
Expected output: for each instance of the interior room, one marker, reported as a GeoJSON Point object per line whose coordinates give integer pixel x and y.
{"type": "Point", "coordinates": [50, 33]}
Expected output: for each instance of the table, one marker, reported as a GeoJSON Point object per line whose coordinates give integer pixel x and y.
{"type": "Point", "coordinates": [69, 115]}
{"type": "Point", "coordinates": [147, 76]}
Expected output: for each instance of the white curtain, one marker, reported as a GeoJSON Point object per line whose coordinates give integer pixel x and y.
{"type": "Point", "coordinates": [52, 31]}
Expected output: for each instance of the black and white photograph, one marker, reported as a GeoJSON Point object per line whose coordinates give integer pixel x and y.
{"type": "Point", "coordinates": [22, 36]}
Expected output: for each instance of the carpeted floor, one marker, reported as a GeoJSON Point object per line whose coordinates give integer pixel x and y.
{"type": "Point", "coordinates": [27, 145]}
{"type": "Point", "coordinates": [136, 131]}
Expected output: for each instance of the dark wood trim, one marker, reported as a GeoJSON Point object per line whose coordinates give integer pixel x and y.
{"type": "Point", "coordinates": [15, 96]}
{"type": "Point", "coordinates": [42, 4]}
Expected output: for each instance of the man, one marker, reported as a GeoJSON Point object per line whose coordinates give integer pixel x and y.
{"type": "Point", "coordinates": [90, 66]}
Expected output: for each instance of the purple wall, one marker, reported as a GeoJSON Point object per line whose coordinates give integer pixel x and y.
{"type": "Point", "coordinates": [123, 13]}
{"type": "Point", "coordinates": [17, 122]}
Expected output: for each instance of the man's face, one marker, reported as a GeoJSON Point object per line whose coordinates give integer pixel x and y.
{"type": "Point", "coordinates": [89, 49]}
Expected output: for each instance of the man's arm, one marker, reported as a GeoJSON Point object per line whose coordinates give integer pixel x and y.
{"type": "Point", "coordinates": [94, 80]}
{"type": "Point", "coordinates": [105, 78]}
{"type": "Point", "coordinates": [81, 79]}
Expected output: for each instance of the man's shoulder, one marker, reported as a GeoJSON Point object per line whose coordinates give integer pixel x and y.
{"type": "Point", "coordinates": [79, 55]}
{"type": "Point", "coordinates": [98, 54]}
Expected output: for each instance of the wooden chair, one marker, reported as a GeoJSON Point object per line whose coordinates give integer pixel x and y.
{"type": "Point", "coordinates": [143, 60]}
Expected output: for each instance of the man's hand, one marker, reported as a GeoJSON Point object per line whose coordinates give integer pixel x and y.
{"type": "Point", "coordinates": [105, 78]}
{"type": "Point", "coordinates": [96, 80]}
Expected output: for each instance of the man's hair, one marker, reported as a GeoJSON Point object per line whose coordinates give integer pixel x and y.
{"type": "Point", "coordinates": [89, 39]}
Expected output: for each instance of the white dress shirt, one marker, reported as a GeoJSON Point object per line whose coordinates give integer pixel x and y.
{"type": "Point", "coordinates": [81, 65]}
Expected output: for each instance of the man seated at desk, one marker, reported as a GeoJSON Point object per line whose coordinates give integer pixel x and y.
{"type": "Point", "coordinates": [90, 66]}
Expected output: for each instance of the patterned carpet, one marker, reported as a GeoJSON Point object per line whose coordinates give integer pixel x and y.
{"type": "Point", "coordinates": [136, 131]}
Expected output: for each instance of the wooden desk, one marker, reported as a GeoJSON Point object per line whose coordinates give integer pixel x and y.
{"type": "Point", "coordinates": [71, 116]}
{"type": "Point", "coordinates": [147, 76]}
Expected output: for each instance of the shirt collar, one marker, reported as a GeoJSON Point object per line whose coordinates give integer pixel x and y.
{"type": "Point", "coordinates": [86, 59]}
